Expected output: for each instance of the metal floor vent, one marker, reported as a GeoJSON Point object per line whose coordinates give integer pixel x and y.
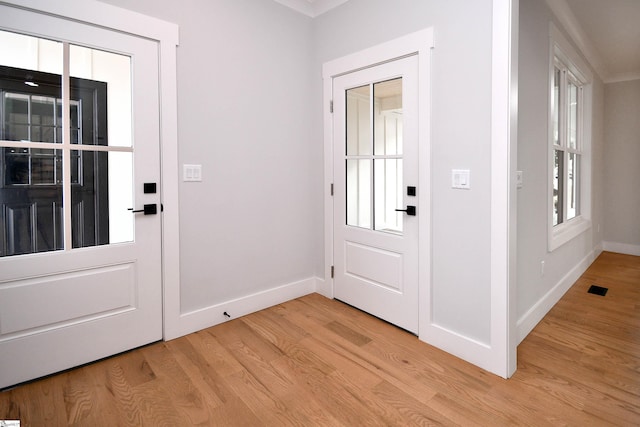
{"type": "Point", "coordinates": [598, 290]}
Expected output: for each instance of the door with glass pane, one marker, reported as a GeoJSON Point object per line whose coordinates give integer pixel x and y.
{"type": "Point", "coordinates": [79, 268]}
{"type": "Point", "coordinates": [375, 191]}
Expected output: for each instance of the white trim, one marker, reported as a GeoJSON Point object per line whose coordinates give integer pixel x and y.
{"type": "Point", "coordinates": [311, 8]}
{"type": "Point", "coordinates": [500, 357]}
{"type": "Point", "coordinates": [623, 77]}
{"type": "Point", "coordinates": [213, 315]}
{"type": "Point", "coordinates": [563, 12]}
{"type": "Point", "coordinates": [561, 47]}
{"type": "Point", "coordinates": [535, 314]}
{"type": "Point", "coordinates": [621, 248]}
{"type": "Point", "coordinates": [107, 16]}
{"type": "Point", "coordinates": [166, 34]}
{"type": "Point", "coordinates": [170, 178]}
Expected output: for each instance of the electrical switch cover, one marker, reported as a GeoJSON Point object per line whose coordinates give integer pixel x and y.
{"type": "Point", "coordinates": [192, 173]}
{"type": "Point", "coordinates": [461, 179]}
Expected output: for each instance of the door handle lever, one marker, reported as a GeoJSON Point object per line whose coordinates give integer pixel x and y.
{"type": "Point", "coordinates": [411, 210]}
{"type": "Point", "coordinates": [150, 209]}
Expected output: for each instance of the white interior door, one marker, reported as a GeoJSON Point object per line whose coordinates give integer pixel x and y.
{"type": "Point", "coordinates": [375, 191]}
{"type": "Point", "coordinates": [80, 273]}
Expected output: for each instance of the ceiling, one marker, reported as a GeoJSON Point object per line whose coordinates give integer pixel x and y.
{"type": "Point", "coordinates": [612, 29]}
{"type": "Point", "coordinates": [606, 31]}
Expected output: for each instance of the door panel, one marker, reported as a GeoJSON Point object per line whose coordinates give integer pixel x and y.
{"type": "Point", "coordinates": [376, 158]}
{"type": "Point", "coordinates": [83, 280]}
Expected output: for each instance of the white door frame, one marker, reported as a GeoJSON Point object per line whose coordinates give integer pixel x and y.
{"type": "Point", "coordinates": [166, 34]}
{"type": "Point", "coordinates": [419, 43]}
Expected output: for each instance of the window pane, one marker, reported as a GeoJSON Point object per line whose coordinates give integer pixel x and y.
{"type": "Point", "coordinates": [43, 167]}
{"type": "Point", "coordinates": [573, 188]}
{"type": "Point", "coordinates": [558, 187]}
{"type": "Point", "coordinates": [107, 76]}
{"type": "Point", "coordinates": [388, 117]}
{"type": "Point", "coordinates": [359, 193]}
{"type": "Point", "coordinates": [32, 53]}
{"type": "Point", "coordinates": [31, 217]}
{"type": "Point", "coordinates": [16, 167]}
{"type": "Point", "coordinates": [572, 116]}
{"type": "Point", "coordinates": [555, 112]}
{"type": "Point", "coordinates": [121, 219]}
{"type": "Point", "coordinates": [358, 121]}
{"type": "Point", "coordinates": [388, 194]}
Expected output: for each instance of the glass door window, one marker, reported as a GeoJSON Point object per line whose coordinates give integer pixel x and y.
{"type": "Point", "coordinates": [374, 156]}
{"type": "Point", "coordinates": [65, 175]}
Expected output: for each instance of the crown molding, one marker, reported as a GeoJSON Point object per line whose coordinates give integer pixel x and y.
{"type": "Point", "coordinates": [311, 8]}
{"type": "Point", "coordinates": [570, 24]}
{"type": "Point", "coordinates": [623, 77]}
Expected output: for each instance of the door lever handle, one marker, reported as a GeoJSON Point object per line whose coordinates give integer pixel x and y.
{"type": "Point", "coordinates": [411, 210]}
{"type": "Point", "coordinates": [150, 209]}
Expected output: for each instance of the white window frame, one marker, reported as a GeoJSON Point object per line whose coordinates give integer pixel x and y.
{"type": "Point", "coordinates": [563, 55]}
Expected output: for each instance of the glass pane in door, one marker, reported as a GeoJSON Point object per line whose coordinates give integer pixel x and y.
{"type": "Point", "coordinates": [31, 215]}
{"type": "Point", "coordinates": [388, 117]}
{"type": "Point", "coordinates": [31, 218]}
{"type": "Point", "coordinates": [359, 192]}
{"type": "Point", "coordinates": [388, 194]}
{"type": "Point", "coordinates": [358, 121]}
{"type": "Point", "coordinates": [102, 82]}
{"type": "Point", "coordinates": [108, 76]}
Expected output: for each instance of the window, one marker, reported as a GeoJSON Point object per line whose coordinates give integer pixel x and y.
{"type": "Point", "coordinates": [569, 146]}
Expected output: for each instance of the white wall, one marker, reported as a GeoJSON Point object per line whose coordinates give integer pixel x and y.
{"type": "Point", "coordinates": [538, 291]}
{"type": "Point", "coordinates": [244, 114]}
{"type": "Point", "coordinates": [622, 174]}
{"type": "Point", "coordinates": [461, 121]}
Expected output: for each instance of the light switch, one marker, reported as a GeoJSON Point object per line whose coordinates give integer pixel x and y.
{"type": "Point", "coordinates": [518, 179]}
{"type": "Point", "coordinates": [192, 173]}
{"type": "Point", "coordinates": [461, 179]}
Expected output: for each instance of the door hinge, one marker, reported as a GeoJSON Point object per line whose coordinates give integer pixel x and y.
{"type": "Point", "coordinates": [331, 106]}
{"type": "Point", "coordinates": [332, 188]}
{"type": "Point", "coordinates": [332, 271]}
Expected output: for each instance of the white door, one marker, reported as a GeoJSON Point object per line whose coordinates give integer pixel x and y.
{"type": "Point", "coordinates": [80, 273]}
{"type": "Point", "coordinates": [375, 190]}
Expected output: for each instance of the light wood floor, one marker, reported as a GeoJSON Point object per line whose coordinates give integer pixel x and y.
{"type": "Point", "coordinates": [314, 361]}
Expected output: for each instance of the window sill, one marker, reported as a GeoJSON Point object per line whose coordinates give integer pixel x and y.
{"type": "Point", "coordinates": [563, 233]}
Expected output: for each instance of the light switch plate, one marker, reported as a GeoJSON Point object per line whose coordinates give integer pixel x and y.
{"type": "Point", "coordinates": [461, 179]}
{"type": "Point", "coordinates": [192, 173]}
{"type": "Point", "coordinates": [518, 179]}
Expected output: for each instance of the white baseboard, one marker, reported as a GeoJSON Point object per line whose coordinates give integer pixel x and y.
{"type": "Point", "coordinates": [531, 318]}
{"type": "Point", "coordinates": [621, 248]}
{"type": "Point", "coordinates": [213, 315]}
{"type": "Point", "coordinates": [324, 287]}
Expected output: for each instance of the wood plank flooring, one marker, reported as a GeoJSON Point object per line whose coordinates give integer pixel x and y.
{"type": "Point", "coordinates": [313, 361]}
